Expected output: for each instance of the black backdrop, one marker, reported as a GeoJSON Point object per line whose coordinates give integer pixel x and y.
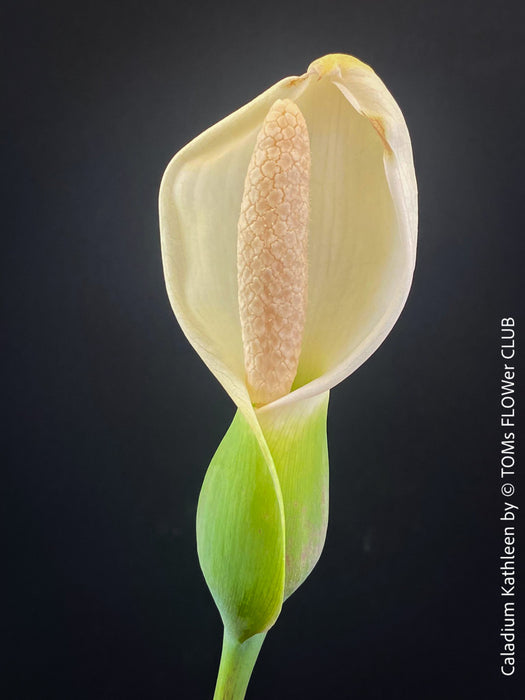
{"type": "Point", "coordinates": [111, 419]}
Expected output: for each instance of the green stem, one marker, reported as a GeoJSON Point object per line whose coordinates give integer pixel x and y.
{"type": "Point", "coordinates": [237, 662]}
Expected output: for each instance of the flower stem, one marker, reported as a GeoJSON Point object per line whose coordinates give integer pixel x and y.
{"type": "Point", "coordinates": [237, 662]}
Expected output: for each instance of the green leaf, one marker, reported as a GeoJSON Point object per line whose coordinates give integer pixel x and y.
{"type": "Point", "coordinates": [296, 437]}
{"type": "Point", "coordinates": [263, 512]}
{"type": "Point", "coordinates": [240, 533]}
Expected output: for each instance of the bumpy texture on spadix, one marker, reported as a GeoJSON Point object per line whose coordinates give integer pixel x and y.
{"type": "Point", "coordinates": [272, 253]}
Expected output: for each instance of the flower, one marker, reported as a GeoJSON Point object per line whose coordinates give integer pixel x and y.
{"type": "Point", "coordinates": [263, 506]}
{"type": "Point", "coordinates": [362, 233]}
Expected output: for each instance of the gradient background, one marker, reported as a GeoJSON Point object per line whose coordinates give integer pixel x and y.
{"type": "Point", "coordinates": [111, 419]}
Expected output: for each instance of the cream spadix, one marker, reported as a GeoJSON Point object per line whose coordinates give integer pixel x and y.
{"type": "Point", "coordinates": [272, 253]}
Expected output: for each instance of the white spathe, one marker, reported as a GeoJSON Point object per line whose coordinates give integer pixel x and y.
{"type": "Point", "coordinates": [362, 231]}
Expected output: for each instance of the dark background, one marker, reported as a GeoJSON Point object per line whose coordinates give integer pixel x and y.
{"type": "Point", "coordinates": [111, 419]}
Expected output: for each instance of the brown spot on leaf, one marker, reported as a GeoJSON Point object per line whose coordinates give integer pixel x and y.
{"type": "Point", "coordinates": [296, 81]}
{"type": "Point", "coordinates": [378, 125]}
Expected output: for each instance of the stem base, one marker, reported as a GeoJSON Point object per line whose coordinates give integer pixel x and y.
{"type": "Point", "coordinates": [237, 662]}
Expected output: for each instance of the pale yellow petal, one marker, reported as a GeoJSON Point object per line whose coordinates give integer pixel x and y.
{"type": "Point", "coordinates": [362, 230]}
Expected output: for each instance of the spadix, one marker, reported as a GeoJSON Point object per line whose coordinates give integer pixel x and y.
{"type": "Point", "coordinates": [273, 253]}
